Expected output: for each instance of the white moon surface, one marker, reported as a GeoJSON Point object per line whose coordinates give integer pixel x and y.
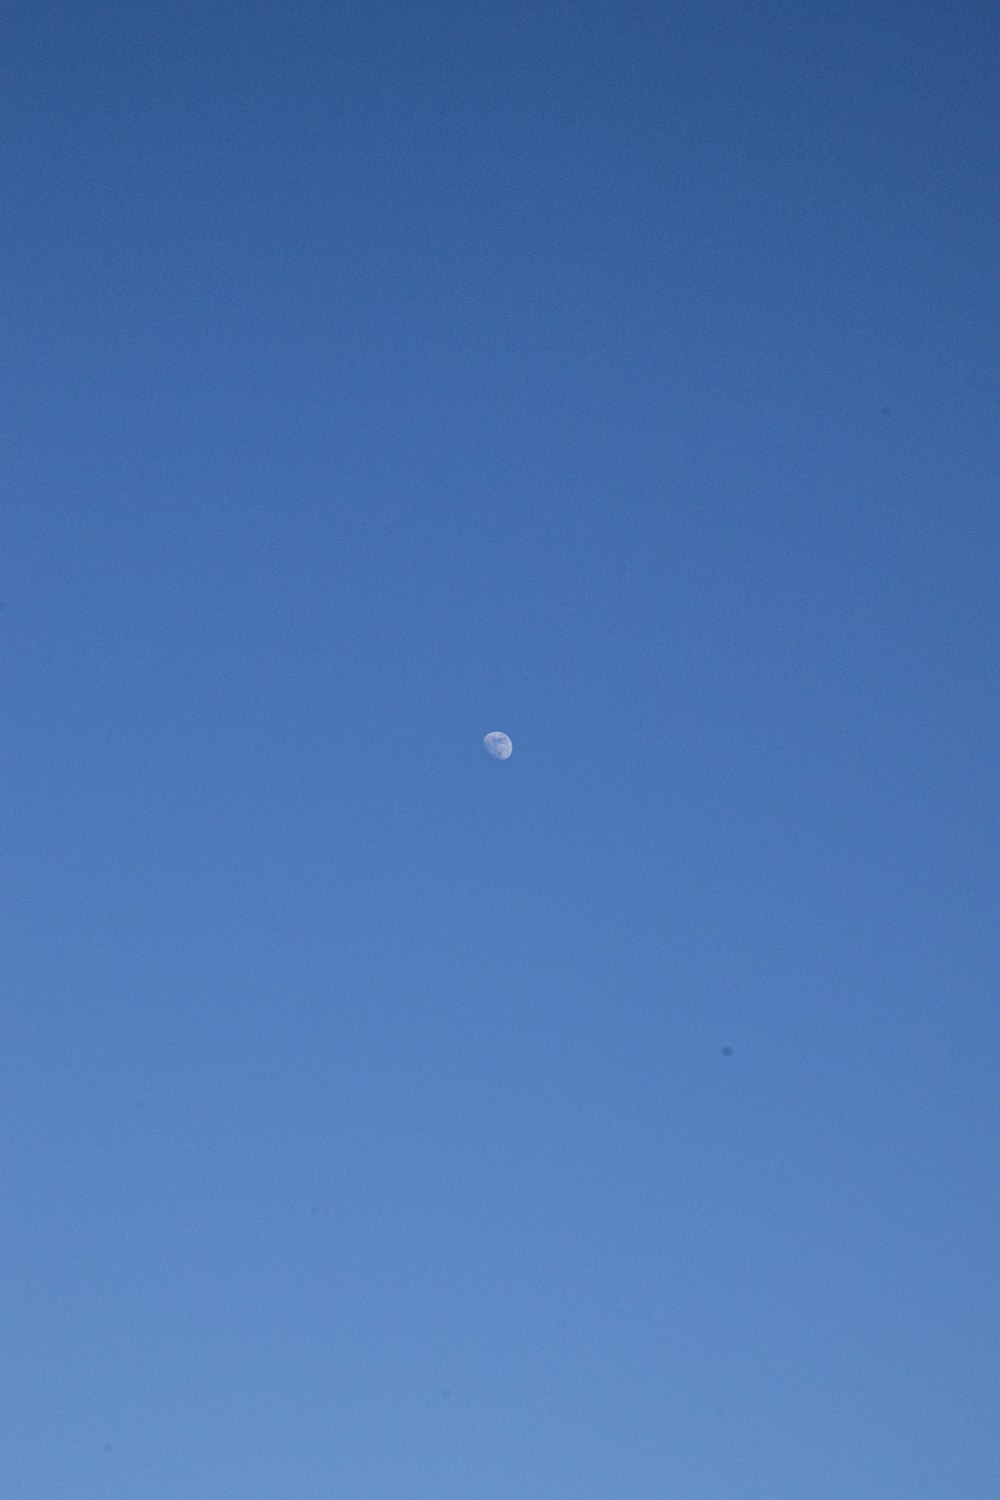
{"type": "Point", "coordinates": [497, 744]}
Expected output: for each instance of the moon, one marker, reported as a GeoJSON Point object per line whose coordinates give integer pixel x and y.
{"type": "Point", "coordinates": [497, 744]}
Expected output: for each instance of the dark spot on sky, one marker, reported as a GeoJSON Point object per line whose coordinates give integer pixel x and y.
{"type": "Point", "coordinates": [727, 1051]}
{"type": "Point", "coordinates": [106, 1448]}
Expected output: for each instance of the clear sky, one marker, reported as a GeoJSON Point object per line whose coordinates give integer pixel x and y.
{"type": "Point", "coordinates": [380, 1120]}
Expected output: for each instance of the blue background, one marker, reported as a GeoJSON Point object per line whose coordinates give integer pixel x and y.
{"type": "Point", "coordinates": [623, 377]}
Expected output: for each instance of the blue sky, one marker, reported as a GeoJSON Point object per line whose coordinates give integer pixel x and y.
{"type": "Point", "coordinates": [382, 1121]}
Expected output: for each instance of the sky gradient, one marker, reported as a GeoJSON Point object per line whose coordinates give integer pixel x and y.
{"type": "Point", "coordinates": [382, 1121]}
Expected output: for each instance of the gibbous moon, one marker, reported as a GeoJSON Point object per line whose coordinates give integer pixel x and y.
{"type": "Point", "coordinates": [497, 744]}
